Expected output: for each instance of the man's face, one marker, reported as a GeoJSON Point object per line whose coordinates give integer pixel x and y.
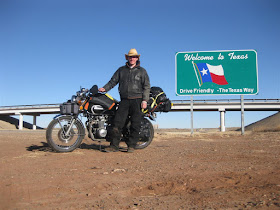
{"type": "Point", "coordinates": [132, 60]}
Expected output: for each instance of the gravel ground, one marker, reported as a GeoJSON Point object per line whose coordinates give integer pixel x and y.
{"type": "Point", "coordinates": [209, 170]}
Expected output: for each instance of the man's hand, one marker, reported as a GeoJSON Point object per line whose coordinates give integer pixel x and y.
{"type": "Point", "coordinates": [101, 90]}
{"type": "Point", "coordinates": [144, 104]}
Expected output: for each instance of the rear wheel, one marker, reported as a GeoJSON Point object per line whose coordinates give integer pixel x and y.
{"type": "Point", "coordinates": [57, 138]}
{"type": "Point", "coordinates": [146, 134]}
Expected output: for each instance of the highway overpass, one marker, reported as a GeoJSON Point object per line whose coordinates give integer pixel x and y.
{"type": "Point", "coordinates": [178, 106]}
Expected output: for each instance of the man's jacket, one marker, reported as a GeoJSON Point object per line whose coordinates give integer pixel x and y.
{"type": "Point", "coordinates": [133, 83]}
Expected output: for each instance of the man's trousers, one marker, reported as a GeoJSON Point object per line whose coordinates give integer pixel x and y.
{"type": "Point", "coordinates": [132, 108]}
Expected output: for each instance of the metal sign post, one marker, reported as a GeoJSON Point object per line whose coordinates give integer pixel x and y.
{"type": "Point", "coordinates": [242, 114]}
{"type": "Point", "coordinates": [191, 115]}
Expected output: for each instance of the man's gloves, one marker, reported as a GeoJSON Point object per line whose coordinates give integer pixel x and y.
{"type": "Point", "coordinates": [144, 104]}
{"type": "Point", "coordinates": [102, 90]}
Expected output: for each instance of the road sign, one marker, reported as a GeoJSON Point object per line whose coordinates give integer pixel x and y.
{"type": "Point", "coordinates": [232, 72]}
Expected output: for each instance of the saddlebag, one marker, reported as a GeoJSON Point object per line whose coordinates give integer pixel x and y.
{"type": "Point", "coordinates": [69, 108]}
{"type": "Point", "coordinates": [105, 100]}
{"type": "Point", "coordinates": [158, 101]}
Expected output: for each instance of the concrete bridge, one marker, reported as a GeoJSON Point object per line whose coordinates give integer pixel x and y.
{"type": "Point", "coordinates": [33, 110]}
{"type": "Point", "coordinates": [178, 105]}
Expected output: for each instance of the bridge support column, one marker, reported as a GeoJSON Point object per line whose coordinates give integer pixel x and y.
{"type": "Point", "coordinates": [20, 122]}
{"type": "Point", "coordinates": [34, 122]}
{"type": "Point", "coordinates": [222, 120]}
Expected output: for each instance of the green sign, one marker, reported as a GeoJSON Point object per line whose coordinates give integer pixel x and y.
{"type": "Point", "coordinates": [217, 72]}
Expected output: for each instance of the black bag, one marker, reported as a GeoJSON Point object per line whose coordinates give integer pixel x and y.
{"type": "Point", "coordinates": [157, 94]}
{"type": "Point", "coordinates": [167, 106]}
{"type": "Point", "coordinates": [69, 108]}
{"type": "Point", "coordinates": [158, 101]}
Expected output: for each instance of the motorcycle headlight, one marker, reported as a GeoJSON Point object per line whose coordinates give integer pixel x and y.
{"type": "Point", "coordinates": [74, 99]}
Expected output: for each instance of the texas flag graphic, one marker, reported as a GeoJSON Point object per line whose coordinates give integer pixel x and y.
{"type": "Point", "coordinates": [209, 73]}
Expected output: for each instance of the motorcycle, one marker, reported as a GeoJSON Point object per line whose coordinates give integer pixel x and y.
{"type": "Point", "coordinates": [66, 131]}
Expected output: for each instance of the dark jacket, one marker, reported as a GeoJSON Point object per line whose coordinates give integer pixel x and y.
{"type": "Point", "coordinates": [133, 83]}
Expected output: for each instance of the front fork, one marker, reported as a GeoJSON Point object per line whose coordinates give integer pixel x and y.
{"type": "Point", "coordinates": [69, 127]}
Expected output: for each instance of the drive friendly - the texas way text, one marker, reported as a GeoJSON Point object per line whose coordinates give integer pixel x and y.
{"type": "Point", "coordinates": [220, 90]}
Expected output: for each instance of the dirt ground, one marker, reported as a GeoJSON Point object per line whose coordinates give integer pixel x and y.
{"type": "Point", "coordinates": [177, 171]}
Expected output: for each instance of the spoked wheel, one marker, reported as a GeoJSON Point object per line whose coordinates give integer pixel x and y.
{"type": "Point", "coordinates": [58, 138]}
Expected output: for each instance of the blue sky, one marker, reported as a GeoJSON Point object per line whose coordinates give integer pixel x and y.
{"type": "Point", "coordinates": [48, 49]}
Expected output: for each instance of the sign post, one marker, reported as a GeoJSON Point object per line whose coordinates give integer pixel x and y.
{"type": "Point", "coordinates": [191, 115]}
{"type": "Point", "coordinates": [228, 72]}
{"type": "Point", "coordinates": [242, 115]}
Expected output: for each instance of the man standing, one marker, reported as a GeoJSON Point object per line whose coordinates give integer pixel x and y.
{"type": "Point", "coordinates": [134, 89]}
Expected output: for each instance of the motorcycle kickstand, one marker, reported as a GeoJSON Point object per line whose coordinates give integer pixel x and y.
{"type": "Point", "coordinates": [99, 145]}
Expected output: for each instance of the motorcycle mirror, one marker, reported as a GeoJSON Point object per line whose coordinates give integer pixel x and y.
{"type": "Point", "coordinates": [94, 89]}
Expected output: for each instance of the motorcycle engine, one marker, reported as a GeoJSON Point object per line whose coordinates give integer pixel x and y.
{"type": "Point", "coordinates": [98, 127]}
{"type": "Point", "coordinates": [96, 109]}
{"type": "Point", "coordinates": [101, 133]}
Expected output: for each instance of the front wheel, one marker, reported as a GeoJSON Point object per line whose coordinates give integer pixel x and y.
{"type": "Point", "coordinates": [57, 136]}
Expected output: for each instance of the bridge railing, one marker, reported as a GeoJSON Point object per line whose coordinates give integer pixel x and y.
{"type": "Point", "coordinates": [228, 101]}
{"type": "Point", "coordinates": [28, 106]}
{"type": "Point", "coordinates": [206, 101]}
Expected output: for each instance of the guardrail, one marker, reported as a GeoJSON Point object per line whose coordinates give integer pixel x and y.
{"type": "Point", "coordinates": [227, 105]}
{"type": "Point", "coordinates": [175, 102]}
{"type": "Point", "coordinates": [227, 100]}
{"type": "Point", "coordinates": [28, 106]}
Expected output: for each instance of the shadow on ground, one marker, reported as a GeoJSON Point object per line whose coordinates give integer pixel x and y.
{"type": "Point", "coordinates": [43, 148]}
{"type": "Point", "coordinates": [46, 148]}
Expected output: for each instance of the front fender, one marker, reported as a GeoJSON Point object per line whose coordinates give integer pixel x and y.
{"type": "Point", "coordinates": [57, 116]}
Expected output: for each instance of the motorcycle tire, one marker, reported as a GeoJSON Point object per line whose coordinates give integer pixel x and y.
{"type": "Point", "coordinates": [56, 138]}
{"type": "Point", "coordinates": [146, 134]}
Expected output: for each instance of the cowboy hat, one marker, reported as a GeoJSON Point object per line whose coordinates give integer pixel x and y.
{"type": "Point", "coordinates": [132, 52]}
